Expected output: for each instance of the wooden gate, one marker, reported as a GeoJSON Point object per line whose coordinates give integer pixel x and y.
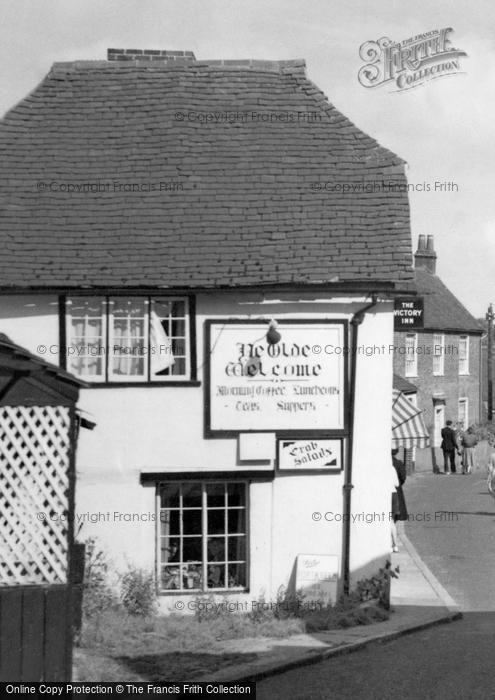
{"type": "Point", "coordinates": [38, 430]}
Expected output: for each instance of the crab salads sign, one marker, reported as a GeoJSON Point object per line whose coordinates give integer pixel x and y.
{"type": "Point", "coordinates": [296, 384]}
{"type": "Point", "coordinates": [411, 62]}
{"type": "Point", "coordinates": [297, 455]}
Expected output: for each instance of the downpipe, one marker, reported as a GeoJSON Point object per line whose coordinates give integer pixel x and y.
{"type": "Point", "coordinates": [355, 322]}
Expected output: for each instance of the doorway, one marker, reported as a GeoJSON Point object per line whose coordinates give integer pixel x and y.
{"type": "Point", "coordinates": [439, 422]}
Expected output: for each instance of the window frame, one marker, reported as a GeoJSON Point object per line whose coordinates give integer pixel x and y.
{"type": "Point", "coordinates": [106, 381]}
{"type": "Point", "coordinates": [415, 356]}
{"type": "Point", "coordinates": [440, 372]}
{"type": "Point", "coordinates": [463, 400]}
{"type": "Point", "coordinates": [465, 372]}
{"type": "Point", "coordinates": [204, 590]}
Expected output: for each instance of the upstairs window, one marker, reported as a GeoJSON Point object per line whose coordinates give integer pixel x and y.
{"type": "Point", "coordinates": [411, 369]}
{"type": "Point", "coordinates": [128, 339]}
{"type": "Point", "coordinates": [438, 354]}
{"type": "Point", "coordinates": [464, 354]}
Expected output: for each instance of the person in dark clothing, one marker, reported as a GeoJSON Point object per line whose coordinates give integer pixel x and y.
{"type": "Point", "coordinates": [449, 448]}
{"type": "Point", "coordinates": [399, 507]}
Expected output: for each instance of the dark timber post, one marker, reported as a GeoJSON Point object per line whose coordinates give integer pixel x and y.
{"type": "Point", "coordinates": [489, 370]}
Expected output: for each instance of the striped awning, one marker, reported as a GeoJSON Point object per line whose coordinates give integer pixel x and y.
{"type": "Point", "coordinates": [408, 427]}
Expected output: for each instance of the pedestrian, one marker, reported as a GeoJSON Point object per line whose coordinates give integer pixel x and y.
{"type": "Point", "coordinates": [468, 443]}
{"type": "Point", "coordinates": [459, 432]}
{"type": "Point", "coordinates": [399, 508]}
{"type": "Point", "coordinates": [449, 448]}
{"type": "Point", "coordinates": [394, 483]}
{"type": "Point", "coordinates": [490, 482]}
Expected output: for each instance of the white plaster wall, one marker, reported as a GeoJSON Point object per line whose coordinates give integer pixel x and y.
{"type": "Point", "coordinates": [32, 322]}
{"type": "Point", "coordinates": [371, 495]}
{"type": "Point", "coordinates": [161, 429]}
{"type": "Point", "coordinates": [294, 529]}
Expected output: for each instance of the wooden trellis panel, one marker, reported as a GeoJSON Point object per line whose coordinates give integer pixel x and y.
{"type": "Point", "coordinates": [34, 482]}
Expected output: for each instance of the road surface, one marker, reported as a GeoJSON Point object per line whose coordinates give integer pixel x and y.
{"type": "Point", "coordinates": [452, 525]}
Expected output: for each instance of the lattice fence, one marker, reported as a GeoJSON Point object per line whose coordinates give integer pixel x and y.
{"type": "Point", "coordinates": [34, 464]}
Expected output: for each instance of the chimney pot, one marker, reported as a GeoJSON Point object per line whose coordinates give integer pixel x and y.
{"type": "Point", "coordinates": [425, 256]}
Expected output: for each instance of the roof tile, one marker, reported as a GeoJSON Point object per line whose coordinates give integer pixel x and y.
{"type": "Point", "coordinates": [158, 174]}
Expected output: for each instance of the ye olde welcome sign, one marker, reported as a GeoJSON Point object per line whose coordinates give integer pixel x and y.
{"type": "Point", "coordinates": [295, 385]}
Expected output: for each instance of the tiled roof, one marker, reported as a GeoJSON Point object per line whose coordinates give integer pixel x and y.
{"type": "Point", "coordinates": [225, 202]}
{"type": "Point", "coordinates": [442, 310]}
{"type": "Point", "coordinates": [15, 358]}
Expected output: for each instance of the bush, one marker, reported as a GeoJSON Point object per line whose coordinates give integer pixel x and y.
{"type": "Point", "coordinates": [485, 431]}
{"type": "Point", "coordinates": [98, 596]}
{"type": "Point", "coordinates": [377, 587]}
{"type": "Point", "coordinates": [138, 592]}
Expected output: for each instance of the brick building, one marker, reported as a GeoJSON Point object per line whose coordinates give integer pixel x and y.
{"type": "Point", "coordinates": [443, 359]}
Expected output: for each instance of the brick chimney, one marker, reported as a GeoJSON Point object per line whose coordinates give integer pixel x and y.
{"type": "Point", "coordinates": [425, 256]}
{"type": "Point", "coordinates": [149, 55]}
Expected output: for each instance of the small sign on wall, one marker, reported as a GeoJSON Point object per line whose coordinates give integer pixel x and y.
{"type": "Point", "coordinates": [408, 313]}
{"type": "Point", "coordinates": [317, 577]}
{"type": "Point", "coordinates": [301, 455]}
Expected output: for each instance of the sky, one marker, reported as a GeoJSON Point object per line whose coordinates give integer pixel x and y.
{"type": "Point", "coordinates": [443, 129]}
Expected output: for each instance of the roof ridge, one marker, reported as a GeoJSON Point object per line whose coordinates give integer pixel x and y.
{"type": "Point", "coordinates": [297, 65]}
{"type": "Point", "coordinates": [438, 279]}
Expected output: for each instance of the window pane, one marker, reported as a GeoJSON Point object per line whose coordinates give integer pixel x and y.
{"type": "Point", "coordinates": [191, 547]}
{"type": "Point", "coordinates": [216, 549]}
{"type": "Point", "coordinates": [216, 576]}
{"type": "Point", "coordinates": [237, 575]}
{"type": "Point", "coordinates": [216, 522]}
{"type": "Point", "coordinates": [170, 496]}
{"type": "Point", "coordinates": [172, 329]}
{"type": "Point", "coordinates": [178, 347]}
{"type": "Point", "coordinates": [215, 495]}
{"type": "Point", "coordinates": [86, 336]}
{"type": "Point", "coordinates": [178, 308]}
{"type": "Point", "coordinates": [170, 522]}
{"type": "Point", "coordinates": [191, 495]}
{"type": "Point", "coordinates": [179, 367]}
{"type": "Point", "coordinates": [192, 576]}
{"type": "Point", "coordinates": [178, 328]}
{"type": "Point", "coordinates": [171, 577]}
{"type": "Point", "coordinates": [191, 522]}
{"type": "Point", "coordinates": [170, 551]}
{"type": "Point", "coordinates": [128, 337]}
{"type": "Point", "coordinates": [236, 521]}
{"type": "Point", "coordinates": [236, 494]}
{"type": "Point", "coordinates": [236, 548]}
{"type": "Point", "coordinates": [162, 355]}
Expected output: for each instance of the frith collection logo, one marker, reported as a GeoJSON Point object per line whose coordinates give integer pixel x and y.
{"type": "Point", "coordinates": [411, 62]}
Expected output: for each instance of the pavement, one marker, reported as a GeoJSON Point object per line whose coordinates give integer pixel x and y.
{"type": "Point", "coordinates": [418, 601]}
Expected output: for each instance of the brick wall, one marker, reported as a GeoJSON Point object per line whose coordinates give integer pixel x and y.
{"type": "Point", "coordinates": [149, 55]}
{"type": "Point", "coordinates": [451, 385]}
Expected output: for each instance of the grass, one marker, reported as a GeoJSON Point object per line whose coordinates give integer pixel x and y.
{"type": "Point", "coordinates": [115, 645]}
